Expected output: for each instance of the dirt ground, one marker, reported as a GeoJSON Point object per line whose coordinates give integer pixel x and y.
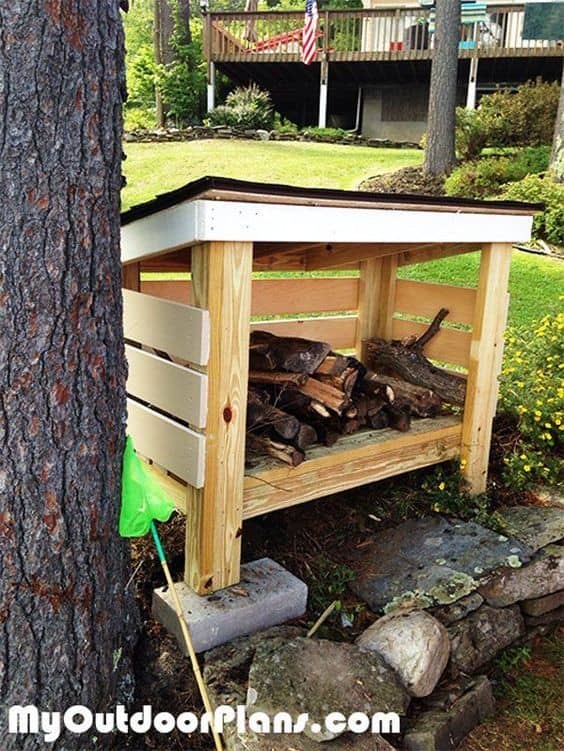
{"type": "Point", "coordinates": [317, 541]}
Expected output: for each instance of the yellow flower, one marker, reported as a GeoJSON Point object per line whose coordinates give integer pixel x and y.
{"type": "Point", "coordinates": [548, 425]}
{"type": "Point", "coordinates": [442, 486]}
{"type": "Point", "coordinates": [463, 463]}
{"type": "Point", "coordinates": [527, 467]}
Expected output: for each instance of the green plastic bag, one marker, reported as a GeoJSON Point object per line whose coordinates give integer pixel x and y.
{"type": "Point", "coordinates": [142, 498]}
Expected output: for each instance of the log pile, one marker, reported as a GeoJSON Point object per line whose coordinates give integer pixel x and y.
{"type": "Point", "coordinates": [302, 393]}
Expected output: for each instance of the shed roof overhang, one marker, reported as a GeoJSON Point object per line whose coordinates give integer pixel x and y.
{"type": "Point", "coordinates": [291, 219]}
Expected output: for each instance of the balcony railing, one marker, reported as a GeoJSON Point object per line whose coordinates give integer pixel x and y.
{"type": "Point", "coordinates": [386, 34]}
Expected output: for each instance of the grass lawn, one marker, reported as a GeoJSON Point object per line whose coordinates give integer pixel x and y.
{"type": "Point", "coordinates": [156, 168]}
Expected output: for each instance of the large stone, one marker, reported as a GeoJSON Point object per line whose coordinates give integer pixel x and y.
{"type": "Point", "coordinates": [415, 644]}
{"type": "Point", "coordinates": [535, 526]}
{"type": "Point", "coordinates": [541, 577]}
{"type": "Point", "coordinates": [482, 635]}
{"type": "Point", "coordinates": [318, 677]}
{"type": "Point", "coordinates": [448, 614]}
{"type": "Point", "coordinates": [226, 673]}
{"type": "Point", "coordinates": [267, 595]}
{"type": "Point", "coordinates": [542, 605]}
{"type": "Point", "coordinates": [547, 619]}
{"type": "Point", "coordinates": [444, 730]}
{"type": "Point", "coordinates": [431, 561]}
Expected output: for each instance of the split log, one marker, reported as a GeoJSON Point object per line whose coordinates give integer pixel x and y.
{"type": "Point", "coordinates": [306, 436]}
{"type": "Point", "coordinates": [289, 353]}
{"type": "Point", "coordinates": [421, 402]}
{"type": "Point", "coordinates": [281, 451]}
{"type": "Point", "coordinates": [261, 414]}
{"type": "Point", "coordinates": [331, 397]}
{"type": "Point", "coordinates": [406, 360]}
{"type": "Point", "coordinates": [264, 378]}
{"type": "Point", "coordinates": [333, 365]}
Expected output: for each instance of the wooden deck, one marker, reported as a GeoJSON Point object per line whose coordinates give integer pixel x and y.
{"type": "Point", "coordinates": [367, 35]}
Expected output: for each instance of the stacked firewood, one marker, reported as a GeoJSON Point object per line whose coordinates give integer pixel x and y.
{"type": "Point", "coordinates": [302, 393]}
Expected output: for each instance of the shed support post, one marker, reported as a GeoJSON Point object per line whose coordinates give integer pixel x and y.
{"type": "Point", "coordinates": [472, 84]}
{"type": "Point", "coordinates": [323, 84]}
{"type": "Point", "coordinates": [131, 276]}
{"type": "Point", "coordinates": [376, 298]}
{"type": "Point", "coordinates": [486, 353]}
{"type": "Point", "coordinates": [221, 281]}
{"type": "Point", "coordinates": [211, 87]}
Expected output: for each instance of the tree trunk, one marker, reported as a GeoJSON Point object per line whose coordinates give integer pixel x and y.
{"type": "Point", "coordinates": [439, 151]}
{"type": "Point", "coordinates": [158, 52]}
{"type": "Point", "coordinates": [557, 157]}
{"type": "Point", "coordinates": [66, 621]}
{"type": "Point", "coordinates": [183, 22]}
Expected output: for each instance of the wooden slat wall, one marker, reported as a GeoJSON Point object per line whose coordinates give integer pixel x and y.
{"type": "Point", "coordinates": [177, 329]}
{"type": "Point", "coordinates": [180, 391]}
{"type": "Point", "coordinates": [178, 449]}
{"type": "Point", "coordinates": [318, 295]}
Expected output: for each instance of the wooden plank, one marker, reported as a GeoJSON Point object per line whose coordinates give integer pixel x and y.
{"type": "Point", "coordinates": [221, 274]}
{"type": "Point", "coordinates": [177, 329]}
{"type": "Point", "coordinates": [131, 276]}
{"type": "Point", "coordinates": [354, 460]}
{"type": "Point", "coordinates": [180, 391]}
{"type": "Point", "coordinates": [173, 446]}
{"type": "Point", "coordinates": [424, 299]}
{"type": "Point", "coordinates": [338, 331]}
{"type": "Point", "coordinates": [449, 345]}
{"type": "Point", "coordinates": [175, 489]}
{"type": "Point", "coordinates": [346, 255]}
{"type": "Point", "coordinates": [485, 363]}
{"type": "Point", "coordinates": [376, 300]}
{"type": "Point", "coordinates": [276, 296]}
{"type": "Point", "coordinates": [435, 253]}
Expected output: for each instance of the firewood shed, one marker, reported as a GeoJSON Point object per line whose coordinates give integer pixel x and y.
{"type": "Point", "coordinates": [187, 338]}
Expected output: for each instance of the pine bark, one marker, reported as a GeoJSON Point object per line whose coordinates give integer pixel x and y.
{"type": "Point", "coordinates": [440, 155]}
{"type": "Point", "coordinates": [66, 621]}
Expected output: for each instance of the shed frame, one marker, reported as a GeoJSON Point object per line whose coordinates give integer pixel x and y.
{"type": "Point", "coordinates": [188, 341]}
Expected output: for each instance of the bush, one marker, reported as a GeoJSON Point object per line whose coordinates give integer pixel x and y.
{"type": "Point", "coordinates": [523, 118]}
{"type": "Point", "coordinates": [281, 125]}
{"type": "Point", "coordinates": [532, 395]}
{"type": "Point", "coordinates": [485, 177]}
{"type": "Point", "coordinates": [325, 134]}
{"type": "Point", "coordinates": [471, 135]}
{"type": "Point", "coordinates": [246, 108]}
{"type": "Point", "coordinates": [548, 225]}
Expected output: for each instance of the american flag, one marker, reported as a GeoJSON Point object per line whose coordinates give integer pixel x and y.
{"type": "Point", "coordinates": [309, 35]}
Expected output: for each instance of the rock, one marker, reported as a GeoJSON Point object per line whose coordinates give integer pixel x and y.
{"type": "Point", "coordinates": [415, 644]}
{"type": "Point", "coordinates": [547, 619]}
{"type": "Point", "coordinates": [226, 674]}
{"type": "Point", "coordinates": [550, 496]}
{"type": "Point", "coordinates": [444, 730]}
{"type": "Point", "coordinates": [319, 677]}
{"type": "Point", "coordinates": [542, 605]}
{"type": "Point", "coordinates": [482, 635]}
{"type": "Point", "coordinates": [448, 614]}
{"type": "Point", "coordinates": [535, 526]}
{"type": "Point", "coordinates": [431, 561]}
{"type": "Point", "coordinates": [264, 135]}
{"type": "Point", "coordinates": [543, 576]}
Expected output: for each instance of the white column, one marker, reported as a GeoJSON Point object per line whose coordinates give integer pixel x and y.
{"type": "Point", "coordinates": [211, 87]}
{"type": "Point", "coordinates": [324, 78]}
{"type": "Point", "coordinates": [472, 84]}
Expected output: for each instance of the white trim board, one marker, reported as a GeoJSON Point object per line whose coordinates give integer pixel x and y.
{"type": "Point", "coordinates": [239, 221]}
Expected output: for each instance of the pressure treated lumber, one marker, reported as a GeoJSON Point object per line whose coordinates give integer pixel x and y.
{"type": "Point", "coordinates": [222, 285]}
{"type": "Point", "coordinates": [485, 363]}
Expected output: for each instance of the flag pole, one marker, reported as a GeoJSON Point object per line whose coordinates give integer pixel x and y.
{"type": "Point", "coordinates": [186, 634]}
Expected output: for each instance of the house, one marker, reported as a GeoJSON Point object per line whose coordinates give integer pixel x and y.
{"type": "Point", "coordinates": [373, 65]}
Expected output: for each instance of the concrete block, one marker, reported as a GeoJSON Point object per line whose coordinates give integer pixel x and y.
{"type": "Point", "coordinates": [267, 595]}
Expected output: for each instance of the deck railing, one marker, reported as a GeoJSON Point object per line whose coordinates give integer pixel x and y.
{"type": "Point", "coordinates": [273, 36]}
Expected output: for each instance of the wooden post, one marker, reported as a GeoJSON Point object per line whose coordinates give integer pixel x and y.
{"type": "Point", "coordinates": [486, 354]}
{"type": "Point", "coordinates": [131, 276]}
{"type": "Point", "coordinates": [376, 298]}
{"type": "Point", "coordinates": [221, 281]}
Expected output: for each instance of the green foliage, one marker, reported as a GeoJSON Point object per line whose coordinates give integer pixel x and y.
{"type": "Point", "coordinates": [282, 125]}
{"type": "Point", "coordinates": [549, 224]}
{"type": "Point", "coordinates": [141, 70]}
{"type": "Point", "coordinates": [324, 134]}
{"type": "Point", "coordinates": [532, 395]}
{"type": "Point", "coordinates": [523, 118]}
{"type": "Point", "coordinates": [471, 135]}
{"type": "Point", "coordinates": [246, 108]}
{"type": "Point", "coordinates": [485, 177]}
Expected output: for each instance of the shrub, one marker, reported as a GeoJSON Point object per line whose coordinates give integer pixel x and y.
{"type": "Point", "coordinates": [246, 108]}
{"type": "Point", "coordinates": [471, 136]}
{"type": "Point", "coordinates": [523, 118]}
{"type": "Point", "coordinates": [485, 177]}
{"type": "Point", "coordinates": [325, 134]}
{"type": "Point", "coordinates": [532, 394]}
{"type": "Point", "coordinates": [281, 125]}
{"type": "Point", "coordinates": [549, 224]}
